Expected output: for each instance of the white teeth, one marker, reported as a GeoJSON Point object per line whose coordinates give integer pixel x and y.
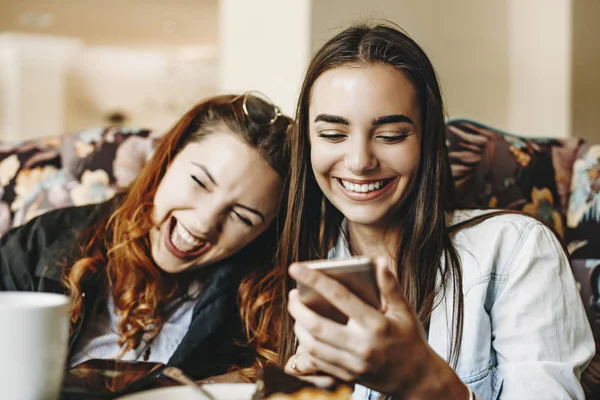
{"type": "Point", "coordinates": [184, 240]}
{"type": "Point", "coordinates": [364, 188]}
{"type": "Point", "coordinates": [187, 236]}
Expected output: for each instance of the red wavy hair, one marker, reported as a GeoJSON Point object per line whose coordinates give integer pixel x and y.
{"type": "Point", "coordinates": [115, 251]}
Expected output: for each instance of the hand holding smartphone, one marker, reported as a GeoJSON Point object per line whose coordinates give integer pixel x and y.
{"type": "Point", "coordinates": [356, 273]}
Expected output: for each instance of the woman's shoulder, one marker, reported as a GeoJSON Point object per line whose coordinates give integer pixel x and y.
{"type": "Point", "coordinates": [475, 221]}
{"type": "Point", "coordinates": [54, 226]}
{"type": "Point", "coordinates": [41, 247]}
{"type": "Point", "coordinates": [500, 225]}
{"type": "Point", "coordinates": [497, 237]}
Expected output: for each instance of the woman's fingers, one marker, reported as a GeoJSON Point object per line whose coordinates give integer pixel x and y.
{"type": "Point", "coordinates": [298, 365]}
{"type": "Point", "coordinates": [334, 292]}
{"type": "Point", "coordinates": [331, 369]}
{"type": "Point", "coordinates": [351, 339]}
{"type": "Point", "coordinates": [402, 322]}
{"type": "Point", "coordinates": [304, 365]}
{"type": "Point", "coordinates": [302, 368]}
{"type": "Point", "coordinates": [342, 358]}
{"type": "Point", "coordinates": [390, 289]}
{"type": "Point", "coordinates": [373, 346]}
{"type": "Point", "coordinates": [322, 381]}
{"type": "Point", "coordinates": [320, 327]}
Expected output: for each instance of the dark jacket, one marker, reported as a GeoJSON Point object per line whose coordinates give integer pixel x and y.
{"type": "Point", "coordinates": [32, 258]}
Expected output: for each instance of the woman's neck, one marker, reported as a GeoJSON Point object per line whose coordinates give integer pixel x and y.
{"type": "Point", "coordinates": [373, 241]}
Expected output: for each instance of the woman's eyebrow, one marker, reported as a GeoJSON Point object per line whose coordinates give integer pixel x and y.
{"type": "Point", "coordinates": [203, 168]}
{"type": "Point", "coordinates": [385, 119]}
{"type": "Point", "coordinates": [391, 119]}
{"type": "Point", "coordinates": [334, 119]}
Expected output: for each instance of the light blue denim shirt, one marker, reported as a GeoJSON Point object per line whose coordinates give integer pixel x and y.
{"type": "Point", "coordinates": [525, 332]}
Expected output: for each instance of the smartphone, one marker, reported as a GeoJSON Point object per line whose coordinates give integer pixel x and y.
{"type": "Point", "coordinates": [108, 379]}
{"type": "Point", "coordinates": [355, 273]}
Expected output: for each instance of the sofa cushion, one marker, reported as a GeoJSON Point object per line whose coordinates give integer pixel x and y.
{"type": "Point", "coordinates": [495, 169]}
{"type": "Point", "coordinates": [587, 274]}
{"type": "Point", "coordinates": [120, 152]}
{"type": "Point", "coordinates": [583, 230]}
{"type": "Point", "coordinates": [96, 163]}
{"type": "Point", "coordinates": [23, 166]}
{"type": "Point", "coordinates": [583, 217]}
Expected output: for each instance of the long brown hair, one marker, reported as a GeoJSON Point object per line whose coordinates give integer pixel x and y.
{"type": "Point", "coordinates": [313, 223]}
{"type": "Point", "coordinates": [116, 250]}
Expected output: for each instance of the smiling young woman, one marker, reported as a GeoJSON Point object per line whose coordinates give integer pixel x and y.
{"type": "Point", "coordinates": [475, 303]}
{"type": "Point", "coordinates": [365, 150]}
{"type": "Point", "coordinates": [155, 273]}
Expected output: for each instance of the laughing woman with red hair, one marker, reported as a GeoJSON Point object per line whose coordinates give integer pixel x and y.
{"type": "Point", "coordinates": [155, 273]}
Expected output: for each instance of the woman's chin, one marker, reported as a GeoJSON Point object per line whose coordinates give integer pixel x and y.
{"type": "Point", "coordinates": [173, 265]}
{"type": "Point", "coordinates": [364, 217]}
{"type": "Point", "coordinates": [170, 267]}
{"type": "Point", "coordinates": [168, 263]}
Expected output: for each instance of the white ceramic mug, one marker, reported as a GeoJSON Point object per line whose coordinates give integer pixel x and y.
{"type": "Point", "coordinates": [34, 335]}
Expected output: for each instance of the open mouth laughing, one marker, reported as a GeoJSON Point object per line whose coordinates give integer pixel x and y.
{"type": "Point", "coordinates": [183, 244]}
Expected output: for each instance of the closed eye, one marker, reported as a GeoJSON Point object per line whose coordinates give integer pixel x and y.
{"type": "Point", "coordinates": [393, 138]}
{"type": "Point", "coordinates": [243, 219]}
{"type": "Point", "coordinates": [332, 137]}
{"type": "Point", "coordinates": [199, 182]}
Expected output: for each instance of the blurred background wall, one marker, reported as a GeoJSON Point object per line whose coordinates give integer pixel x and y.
{"type": "Point", "coordinates": [67, 65]}
{"type": "Point", "coordinates": [524, 66]}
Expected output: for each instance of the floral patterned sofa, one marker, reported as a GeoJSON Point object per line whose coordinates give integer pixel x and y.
{"type": "Point", "coordinates": [74, 169]}
{"type": "Point", "coordinates": [557, 180]}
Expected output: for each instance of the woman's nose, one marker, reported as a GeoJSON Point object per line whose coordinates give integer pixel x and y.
{"type": "Point", "coordinates": [209, 223]}
{"type": "Point", "coordinates": [360, 157]}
